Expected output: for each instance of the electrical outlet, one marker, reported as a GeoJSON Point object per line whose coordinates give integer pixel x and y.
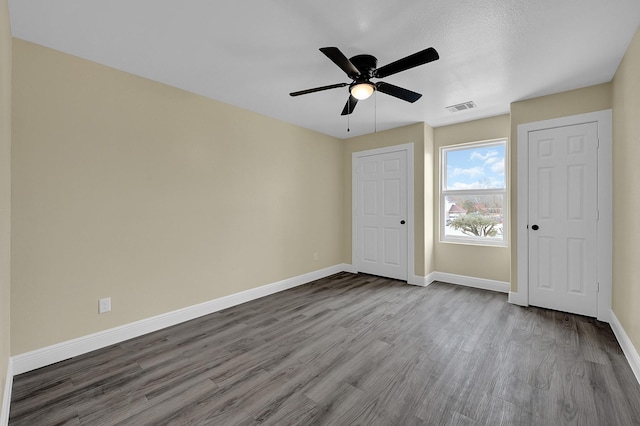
{"type": "Point", "coordinates": [315, 256]}
{"type": "Point", "coordinates": [104, 305]}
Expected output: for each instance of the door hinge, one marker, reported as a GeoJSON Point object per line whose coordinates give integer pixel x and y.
{"type": "Point", "coordinates": [598, 289]}
{"type": "Point", "coordinates": [597, 215]}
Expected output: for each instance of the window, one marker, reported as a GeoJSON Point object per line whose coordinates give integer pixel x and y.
{"type": "Point", "coordinates": [474, 193]}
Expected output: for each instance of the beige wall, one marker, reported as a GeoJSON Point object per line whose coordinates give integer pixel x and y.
{"type": "Point", "coordinates": [626, 194]}
{"type": "Point", "coordinates": [580, 101]}
{"type": "Point", "coordinates": [5, 192]}
{"type": "Point", "coordinates": [470, 260]}
{"type": "Point", "coordinates": [421, 136]}
{"type": "Point", "coordinates": [153, 196]}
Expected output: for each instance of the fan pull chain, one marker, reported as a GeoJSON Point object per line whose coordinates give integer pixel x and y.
{"type": "Point", "coordinates": [375, 111]}
{"type": "Point", "coordinates": [348, 115]}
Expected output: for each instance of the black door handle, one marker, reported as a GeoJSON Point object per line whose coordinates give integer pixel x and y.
{"type": "Point", "coordinates": [402, 222]}
{"type": "Point", "coordinates": [535, 227]}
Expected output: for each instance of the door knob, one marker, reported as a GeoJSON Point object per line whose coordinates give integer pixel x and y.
{"type": "Point", "coordinates": [402, 222]}
{"type": "Point", "coordinates": [535, 227]}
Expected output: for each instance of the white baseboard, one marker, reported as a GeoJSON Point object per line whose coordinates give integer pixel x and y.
{"type": "Point", "coordinates": [51, 354]}
{"type": "Point", "coordinates": [482, 283]}
{"type": "Point", "coordinates": [6, 396]}
{"type": "Point", "coordinates": [625, 343]}
{"type": "Point", "coordinates": [419, 281]}
{"type": "Point", "coordinates": [429, 279]}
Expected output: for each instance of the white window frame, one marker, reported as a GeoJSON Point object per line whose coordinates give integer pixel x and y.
{"type": "Point", "coordinates": [444, 193]}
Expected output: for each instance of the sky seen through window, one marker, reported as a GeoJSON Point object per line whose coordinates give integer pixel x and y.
{"type": "Point", "coordinates": [476, 168]}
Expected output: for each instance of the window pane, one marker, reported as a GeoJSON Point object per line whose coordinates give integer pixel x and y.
{"type": "Point", "coordinates": [481, 167]}
{"type": "Point", "coordinates": [474, 216]}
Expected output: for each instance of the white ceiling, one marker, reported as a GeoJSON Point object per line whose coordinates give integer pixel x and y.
{"type": "Point", "coordinates": [252, 53]}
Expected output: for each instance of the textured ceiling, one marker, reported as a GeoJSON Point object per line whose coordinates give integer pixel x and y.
{"type": "Point", "coordinates": [252, 53]}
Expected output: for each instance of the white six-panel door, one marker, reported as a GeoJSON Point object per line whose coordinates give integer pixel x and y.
{"type": "Point", "coordinates": [563, 215]}
{"type": "Point", "coordinates": [381, 214]}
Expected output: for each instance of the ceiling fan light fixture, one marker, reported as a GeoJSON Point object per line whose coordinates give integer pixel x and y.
{"type": "Point", "coordinates": [362, 91]}
{"type": "Point", "coordinates": [361, 68]}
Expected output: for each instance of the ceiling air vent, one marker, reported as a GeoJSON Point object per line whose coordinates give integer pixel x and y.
{"type": "Point", "coordinates": [462, 106]}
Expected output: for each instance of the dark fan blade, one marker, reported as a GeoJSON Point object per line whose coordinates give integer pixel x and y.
{"type": "Point", "coordinates": [340, 60]}
{"type": "Point", "coordinates": [398, 92]}
{"type": "Point", "coordinates": [349, 106]}
{"type": "Point", "coordinates": [420, 58]}
{"type": "Point", "coordinates": [318, 89]}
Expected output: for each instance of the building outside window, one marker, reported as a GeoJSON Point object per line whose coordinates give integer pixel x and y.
{"type": "Point", "coordinates": [473, 195]}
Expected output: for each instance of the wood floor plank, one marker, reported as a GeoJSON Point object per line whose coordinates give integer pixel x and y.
{"type": "Point", "coordinates": [297, 410]}
{"type": "Point", "coordinates": [574, 400]}
{"type": "Point", "coordinates": [368, 411]}
{"type": "Point", "coordinates": [333, 406]}
{"type": "Point", "coordinates": [504, 413]}
{"type": "Point", "coordinates": [267, 398]}
{"type": "Point", "coordinates": [348, 349]}
{"type": "Point", "coordinates": [165, 406]}
{"type": "Point", "coordinates": [406, 392]}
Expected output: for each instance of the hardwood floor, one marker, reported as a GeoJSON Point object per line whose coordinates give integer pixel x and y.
{"type": "Point", "coordinates": [348, 349]}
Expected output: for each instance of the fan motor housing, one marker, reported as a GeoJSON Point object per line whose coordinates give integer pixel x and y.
{"type": "Point", "coordinates": [366, 64]}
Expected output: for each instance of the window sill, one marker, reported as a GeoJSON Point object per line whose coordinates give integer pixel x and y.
{"type": "Point", "coordinates": [498, 244]}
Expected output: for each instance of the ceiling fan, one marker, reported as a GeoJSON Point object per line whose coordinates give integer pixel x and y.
{"type": "Point", "coordinates": [362, 68]}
